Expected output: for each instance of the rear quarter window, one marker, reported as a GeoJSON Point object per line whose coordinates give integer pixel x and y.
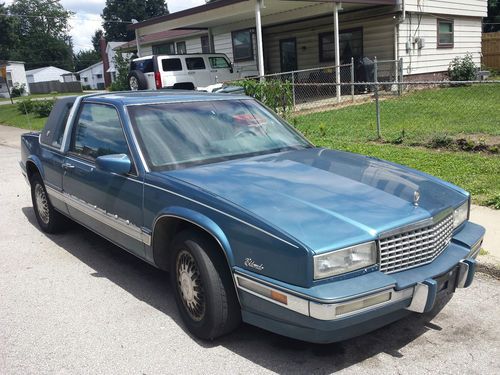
{"type": "Point", "coordinates": [171, 65]}
{"type": "Point", "coordinates": [195, 63]}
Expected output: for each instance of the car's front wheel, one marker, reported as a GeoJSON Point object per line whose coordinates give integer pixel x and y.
{"type": "Point", "coordinates": [49, 220]}
{"type": "Point", "coordinates": [203, 287]}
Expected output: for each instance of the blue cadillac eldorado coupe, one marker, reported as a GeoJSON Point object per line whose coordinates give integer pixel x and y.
{"type": "Point", "coordinates": [252, 221]}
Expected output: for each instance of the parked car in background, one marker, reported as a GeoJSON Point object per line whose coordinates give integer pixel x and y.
{"type": "Point", "coordinates": [185, 72]}
{"type": "Point", "coordinates": [252, 221]}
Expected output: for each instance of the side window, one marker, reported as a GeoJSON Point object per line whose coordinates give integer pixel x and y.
{"type": "Point", "coordinates": [181, 48]}
{"type": "Point", "coordinates": [171, 65]}
{"type": "Point", "coordinates": [98, 132]}
{"type": "Point", "coordinates": [445, 33]}
{"type": "Point", "coordinates": [218, 62]}
{"type": "Point", "coordinates": [195, 63]}
{"type": "Point", "coordinates": [205, 44]}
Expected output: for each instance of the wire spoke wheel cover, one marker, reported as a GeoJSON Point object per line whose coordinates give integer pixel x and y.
{"type": "Point", "coordinates": [42, 204]}
{"type": "Point", "coordinates": [190, 285]}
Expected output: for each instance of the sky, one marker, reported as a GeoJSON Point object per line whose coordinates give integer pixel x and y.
{"type": "Point", "coordinates": [87, 19]}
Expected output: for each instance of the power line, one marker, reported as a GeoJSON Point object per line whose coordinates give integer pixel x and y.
{"type": "Point", "coordinates": [52, 17]}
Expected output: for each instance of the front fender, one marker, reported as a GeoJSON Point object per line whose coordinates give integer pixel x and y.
{"type": "Point", "coordinates": [201, 221]}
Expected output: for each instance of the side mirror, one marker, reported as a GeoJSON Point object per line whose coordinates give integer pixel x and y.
{"type": "Point", "coordinates": [231, 68]}
{"type": "Point", "coordinates": [117, 163]}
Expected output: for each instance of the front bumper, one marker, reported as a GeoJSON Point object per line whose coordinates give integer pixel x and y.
{"type": "Point", "coordinates": [343, 309]}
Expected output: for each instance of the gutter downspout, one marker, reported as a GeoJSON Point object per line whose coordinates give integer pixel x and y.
{"type": "Point", "coordinates": [260, 47]}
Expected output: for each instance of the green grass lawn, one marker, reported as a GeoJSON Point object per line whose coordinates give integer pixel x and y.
{"type": "Point", "coordinates": [11, 117]}
{"type": "Point", "coordinates": [34, 96]}
{"type": "Point", "coordinates": [413, 119]}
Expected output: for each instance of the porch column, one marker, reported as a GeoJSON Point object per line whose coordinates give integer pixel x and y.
{"type": "Point", "coordinates": [337, 47]}
{"type": "Point", "coordinates": [260, 48]}
{"type": "Point", "coordinates": [211, 42]}
{"type": "Point", "coordinates": [137, 43]}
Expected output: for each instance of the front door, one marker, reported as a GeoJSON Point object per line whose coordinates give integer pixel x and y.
{"type": "Point", "coordinates": [108, 203]}
{"type": "Point", "coordinates": [288, 54]}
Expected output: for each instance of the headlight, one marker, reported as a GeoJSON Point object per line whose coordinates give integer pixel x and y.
{"type": "Point", "coordinates": [460, 214]}
{"type": "Point", "coordinates": [345, 260]}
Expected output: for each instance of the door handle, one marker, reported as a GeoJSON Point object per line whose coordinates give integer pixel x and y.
{"type": "Point", "coordinates": [191, 72]}
{"type": "Point", "coordinates": [67, 166]}
{"type": "Point", "coordinates": [214, 71]}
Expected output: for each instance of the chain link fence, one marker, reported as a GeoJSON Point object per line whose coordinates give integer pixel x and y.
{"type": "Point", "coordinates": [372, 101]}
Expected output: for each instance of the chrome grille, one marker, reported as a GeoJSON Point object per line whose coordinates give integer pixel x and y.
{"type": "Point", "coordinates": [415, 247]}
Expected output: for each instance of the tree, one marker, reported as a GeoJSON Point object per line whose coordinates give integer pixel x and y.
{"type": "Point", "coordinates": [118, 14]}
{"type": "Point", "coordinates": [42, 30]}
{"type": "Point", "coordinates": [122, 64]}
{"type": "Point", "coordinates": [492, 22]}
{"type": "Point", "coordinates": [8, 37]}
{"type": "Point", "coordinates": [96, 40]}
{"type": "Point", "coordinates": [85, 58]}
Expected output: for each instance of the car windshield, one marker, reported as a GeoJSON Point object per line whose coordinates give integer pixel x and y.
{"type": "Point", "coordinates": [176, 135]}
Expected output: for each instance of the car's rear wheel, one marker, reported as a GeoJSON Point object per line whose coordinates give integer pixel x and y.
{"type": "Point", "coordinates": [49, 220]}
{"type": "Point", "coordinates": [137, 80]}
{"type": "Point", "coordinates": [203, 287]}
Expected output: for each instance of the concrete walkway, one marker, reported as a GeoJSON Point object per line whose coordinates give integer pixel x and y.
{"type": "Point", "coordinates": [487, 217]}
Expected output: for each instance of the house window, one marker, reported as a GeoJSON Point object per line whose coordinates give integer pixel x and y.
{"type": "Point", "coordinates": [242, 45]}
{"type": "Point", "coordinates": [164, 49]}
{"type": "Point", "coordinates": [9, 79]}
{"type": "Point", "coordinates": [85, 79]}
{"type": "Point", "coordinates": [181, 48]}
{"type": "Point", "coordinates": [445, 31]}
{"type": "Point", "coordinates": [350, 45]}
{"type": "Point", "coordinates": [205, 44]}
{"type": "Point", "coordinates": [99, 76]}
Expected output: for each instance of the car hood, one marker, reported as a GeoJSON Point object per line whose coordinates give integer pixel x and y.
{"type": "Point", "coordinates": [325, 199]}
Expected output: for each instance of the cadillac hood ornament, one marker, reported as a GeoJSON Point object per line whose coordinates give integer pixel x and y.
{"type": "Point", "coordinates": [416, 198]}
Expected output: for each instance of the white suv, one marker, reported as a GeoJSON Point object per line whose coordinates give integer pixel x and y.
{"type": "Point", "coordinates": [185, 72]}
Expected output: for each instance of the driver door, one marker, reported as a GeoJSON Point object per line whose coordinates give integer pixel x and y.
{"type": "Point", "coordinates": [108, 203]}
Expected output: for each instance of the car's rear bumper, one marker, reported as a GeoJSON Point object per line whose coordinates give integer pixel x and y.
{"type": "Point", "coordinates": [382, 300]}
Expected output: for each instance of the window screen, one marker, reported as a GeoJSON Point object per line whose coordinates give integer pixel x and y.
{"type": "Point", "coordinates": [445, 33]}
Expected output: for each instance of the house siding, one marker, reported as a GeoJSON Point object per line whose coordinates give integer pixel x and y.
{"type": "Point", "coordinates": [467, 39]}
{"type": "Point", "coordinates": [378, 40]}
{"type": "Point", "coordinates": [473, 8]}
{"type": "Point", "coordinates": [48, 74]}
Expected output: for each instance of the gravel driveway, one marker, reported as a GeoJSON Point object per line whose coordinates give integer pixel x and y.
{"type": "Point", "coordinates": [74, 303]}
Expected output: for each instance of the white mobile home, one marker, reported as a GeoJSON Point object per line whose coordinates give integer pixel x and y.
{"type": "Point", "coordinates": [93, 76]}
{"type": "Point", "coordinates": [49, 73]}
{"type": "Point", "coordinates": [274, 36]}
{"type": "Point", "coordinates": [16, 75]}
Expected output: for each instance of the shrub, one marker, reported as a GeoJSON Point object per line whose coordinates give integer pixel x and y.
{"type": "Point", "coordinates": [274, 93]}
{"type": "Point", "coordinates": [42, 108]}
{"type": "Point", "coordinates": [25, 106]}
{"type": "Point", "coordinates": [122, 64]}
{"type": "Point", "coordinates": [441, 141]}
{"type": "Point", "coordinates": [462, 68]}
{"type": "Point", "coordinates": [17, 90]}
{"type": "Point", "coordinates": [86, 87]}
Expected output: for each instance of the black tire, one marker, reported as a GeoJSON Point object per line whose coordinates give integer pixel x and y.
{"type": "Point", "coordinates": [49, 220]}
{"type": "Point", "coordinates": [140, 79]}
{"type": "Point", "coordinates": [210, 307]}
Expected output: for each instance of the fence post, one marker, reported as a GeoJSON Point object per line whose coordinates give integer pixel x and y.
{"type": "Point", "coordinates": [293, 89]}
{"type": "Point", "coordinates": [352, 79]}
{"type": "Point", "coordinates": [377, 102]}
{"type": "Point", "coordinates": [400, 76]}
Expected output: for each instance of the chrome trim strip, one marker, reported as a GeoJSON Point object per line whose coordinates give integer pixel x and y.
{"type": "Point", "coordinates": [122, 225]}
{"type": "Point", "coordinates": [463, 273]}
{"type": "Point", "coordinates": [419, 300]}
{"type": "Point", "coordinates": [319, 300]}
{"type": "Point", "coordinates": [206, 99]}
{"type": "Point", "coordinates": [69, 123]}
{"type": "Point", "coordinates": [223, 213]}
{"type": "Point", "coordinates": [324, 311]}
{"type": "Point", "coordinates": [328, 311]}
{"type": "Point", "coordinates": [294, 303]}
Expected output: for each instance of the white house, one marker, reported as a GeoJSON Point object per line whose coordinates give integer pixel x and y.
{"type": "Point", "coordinates": [49, 73]}
{"type": "Point", "coordinates": [93, 76]}
{"type": "Point", "coordinates": [272, 36]}
{"type": "Point", "coordinates": [16, 75]}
